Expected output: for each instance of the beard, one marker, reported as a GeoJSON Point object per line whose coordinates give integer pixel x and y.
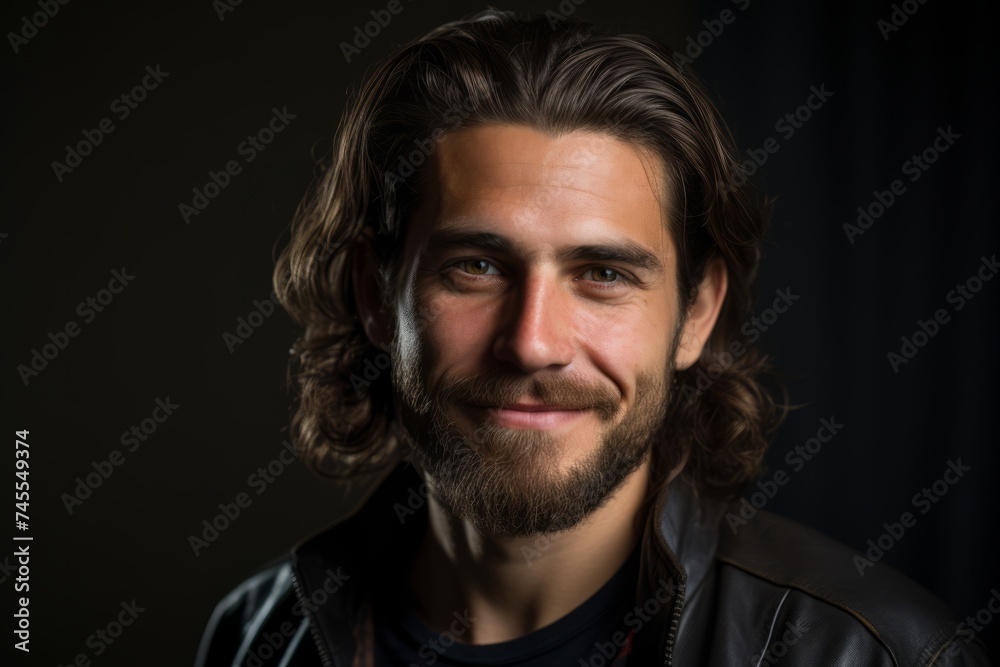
{"type": "Point", "coordinates": [512, 482]}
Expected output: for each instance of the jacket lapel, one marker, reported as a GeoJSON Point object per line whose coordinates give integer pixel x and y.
{"type": "Point", "coordinates": [368, 546]}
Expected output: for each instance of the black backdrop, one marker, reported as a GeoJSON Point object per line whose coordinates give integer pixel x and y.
{"type": "Point", "coordinates": [886, 94]}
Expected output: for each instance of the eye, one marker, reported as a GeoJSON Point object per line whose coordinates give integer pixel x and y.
{"type": "Point", "coordinates": [605, 274]}
{"type": "Point", "coordinates": [476, 267]}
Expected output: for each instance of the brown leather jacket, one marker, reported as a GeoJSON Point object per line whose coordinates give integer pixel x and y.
{"type": "Point", "coordinates": [771, 591]}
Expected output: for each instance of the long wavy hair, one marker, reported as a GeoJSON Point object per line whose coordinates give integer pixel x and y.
{"type": "Point", "coordinates": [555, 76]}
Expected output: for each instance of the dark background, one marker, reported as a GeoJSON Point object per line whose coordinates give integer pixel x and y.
{"type": "Point", "coordinates": [162, 336]}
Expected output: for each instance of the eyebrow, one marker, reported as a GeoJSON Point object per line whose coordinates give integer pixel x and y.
{"type": "Point", "coordinates": [622, 251]}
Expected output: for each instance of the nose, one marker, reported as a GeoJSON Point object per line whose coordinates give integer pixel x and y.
{"type": "Point", "coordinates": [537, 331]}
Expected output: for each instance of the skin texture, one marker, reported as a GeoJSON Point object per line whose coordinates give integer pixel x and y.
{"type": "Point", "coordinates": [479, 324]}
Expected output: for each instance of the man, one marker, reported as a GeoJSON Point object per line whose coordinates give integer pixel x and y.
{"type": "Point", "coordinates": [541, 241]}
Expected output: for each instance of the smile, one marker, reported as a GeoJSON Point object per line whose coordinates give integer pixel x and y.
{"type": "Point", "coordinates": [538, 417]}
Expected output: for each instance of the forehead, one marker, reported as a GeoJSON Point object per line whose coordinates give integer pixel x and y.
{"type": "Point", "coordinates": [541, 190]}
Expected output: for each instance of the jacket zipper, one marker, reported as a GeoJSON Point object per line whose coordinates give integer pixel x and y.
{"type": "Point", "coordinates": [313, 625]}
{"type": "Point", "coordinates": [668, 656]}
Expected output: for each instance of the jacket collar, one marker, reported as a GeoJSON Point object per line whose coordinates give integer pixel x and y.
{"type": "Point", "coordinates": [363, 553]}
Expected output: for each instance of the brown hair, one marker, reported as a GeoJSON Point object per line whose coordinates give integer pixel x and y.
{"type": "Point", "coordinates": [554, 76]}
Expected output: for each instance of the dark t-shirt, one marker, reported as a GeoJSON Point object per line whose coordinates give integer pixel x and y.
{"type": "Point", "coordinates": [595, 628]}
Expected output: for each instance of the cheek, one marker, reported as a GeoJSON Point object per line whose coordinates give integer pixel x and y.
{"type": "Point", "coordinates": [623, 342]}
{"type": "Point", "coordinates": [449, 330]}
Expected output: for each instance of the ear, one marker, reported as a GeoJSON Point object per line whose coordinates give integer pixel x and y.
{"type": "Point", "coordinates": [702, 314]}
{"type": "Point", "coordinates": [368, 290]}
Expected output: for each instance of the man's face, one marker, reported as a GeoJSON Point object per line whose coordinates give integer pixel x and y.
{"type": "Point", "coordinates": [536, 324]}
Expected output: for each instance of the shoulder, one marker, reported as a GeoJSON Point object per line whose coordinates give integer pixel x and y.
{"type": "Point", "coordinates": [274, 605]}
{"type": "Point", "coordinates": [820, 593]}
{"type": "Point", "coordinates": [237, 618]}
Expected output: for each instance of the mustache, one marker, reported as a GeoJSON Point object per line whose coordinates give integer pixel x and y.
{"type": "Point", "coordinates": [491, 388]}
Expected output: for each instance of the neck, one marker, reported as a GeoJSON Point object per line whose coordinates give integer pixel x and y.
{"type": "Point", "coordinates": [511, 586]}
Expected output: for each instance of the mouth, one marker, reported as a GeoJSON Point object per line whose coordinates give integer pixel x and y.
{"type": "Point", "coordinates": [536, 416]}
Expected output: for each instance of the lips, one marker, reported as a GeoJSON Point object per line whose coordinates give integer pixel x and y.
{"type": "Point", "coordinates": [535, 416]}
{"type": "Point", "coordinates": [535, 407]}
